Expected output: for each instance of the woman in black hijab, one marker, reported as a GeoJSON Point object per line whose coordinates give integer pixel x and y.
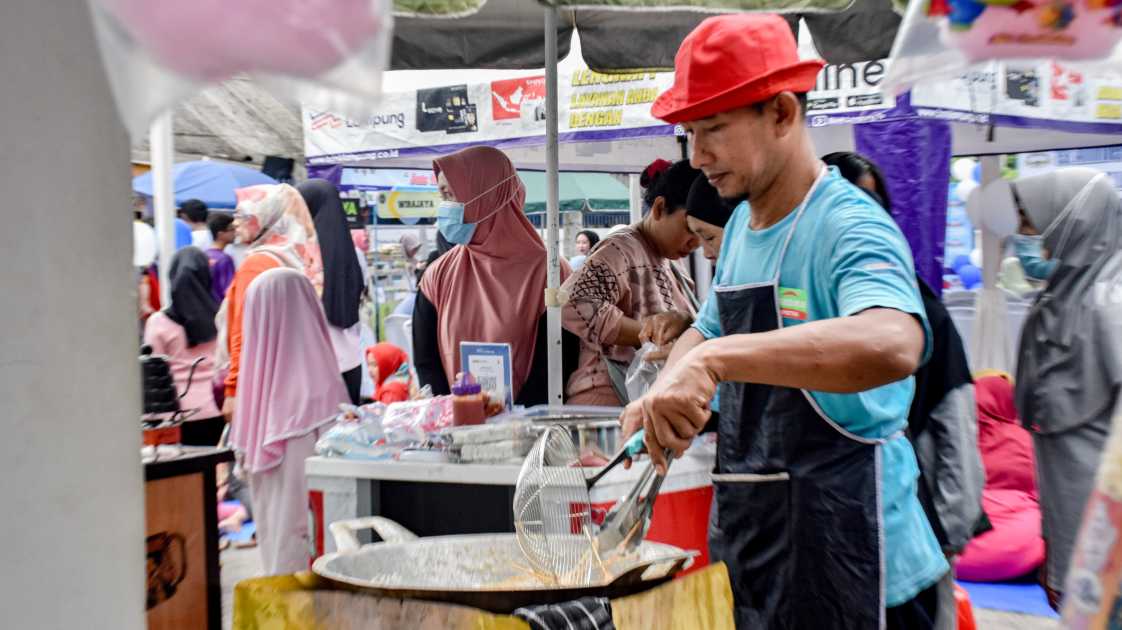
{"type": "Point", "coordinates": [707, 214]}
{"type": "Point", "coordinates": [343, 283]}
{"type": "Point", "coordinates": [192, 304]}
{"type": "Point", "coordinates": [184, 333]}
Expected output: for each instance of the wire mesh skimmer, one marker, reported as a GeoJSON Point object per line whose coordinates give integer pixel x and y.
{"type": "Point", "coordinates": [552, 512]}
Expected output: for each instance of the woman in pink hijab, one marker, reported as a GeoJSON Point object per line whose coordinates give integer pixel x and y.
{"type": "Point", "coordinates": [289, 387]}
{"type": "Point", "coordinates": [490, 287]}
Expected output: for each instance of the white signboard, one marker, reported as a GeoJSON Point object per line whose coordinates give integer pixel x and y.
{"type": "Point", "coordinates": [1026, 93]}
{"type": "Point", "coordinates": [511, 112]}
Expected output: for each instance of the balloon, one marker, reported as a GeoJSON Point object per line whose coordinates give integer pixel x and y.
{"type": "Point", "coordinates": [962, 13]}
{"type": "Point", "coordinates": [971, 276]}
{"type": "Point", "coordinates": [963, 170]}
{"type": "Point", "coordinates": [959, 262]}
{"type": "Point", "coordinates": [964, 188]}
{"type": "Point", "coordinates": [143, 244]}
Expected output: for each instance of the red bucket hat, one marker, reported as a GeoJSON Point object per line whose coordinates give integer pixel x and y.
{"type": "Point", "coordinates": [730, 61]}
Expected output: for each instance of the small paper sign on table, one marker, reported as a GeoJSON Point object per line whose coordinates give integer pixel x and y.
{"type": "Point", "coordinates": [490, 364]}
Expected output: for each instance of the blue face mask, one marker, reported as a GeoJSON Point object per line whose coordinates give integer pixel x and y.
{"type": "Point", "coordinates": [450, 222]}
{"type": "Point", "coordinates": [450, 217]}
{"type": "Point", "coordinates": [1031, 254]}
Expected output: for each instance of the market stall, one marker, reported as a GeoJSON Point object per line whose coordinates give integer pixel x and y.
{"type": "Point", "coordinates": [434, 499]}
{"type": "Point", "coordinates": [415, 464]}
{"type": "Point", "coordinates": [848, 109]}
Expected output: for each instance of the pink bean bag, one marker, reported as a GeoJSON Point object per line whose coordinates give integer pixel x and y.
{"type": "Point", "coordinates": [1014, 547]}
{"type": "Point", "coordinates": [226, 509]}
{"type": "Point", "coordinates": [1005, 445]}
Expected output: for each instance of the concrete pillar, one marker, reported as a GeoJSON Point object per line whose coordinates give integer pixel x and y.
{"type": "Point", "coordinates": [72, 535]}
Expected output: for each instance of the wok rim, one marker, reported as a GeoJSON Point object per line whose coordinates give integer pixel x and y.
{"type": "Point", "coordinates": [319, 566]}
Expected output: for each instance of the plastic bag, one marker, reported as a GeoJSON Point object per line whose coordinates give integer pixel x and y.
{"type": "Point", "coordinates": [949, 40]}
{"type": "Point", "coordinates": [327, 54]}
{"type": "Point", "coordinates": [357, 434]}
{"type": "Point", "coordinates": [414, 421]}
{"type": "Point", "coordinates": [996, 30]}
{"type": "Point", "coordinates": [642, 374]}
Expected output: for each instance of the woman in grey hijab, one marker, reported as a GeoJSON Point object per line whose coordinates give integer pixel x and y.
{"type": "Point", "coordinates": [1070, 362]}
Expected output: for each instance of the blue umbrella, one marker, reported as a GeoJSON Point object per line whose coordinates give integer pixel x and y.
{"type": "Point", "coordinates": [211, 182]}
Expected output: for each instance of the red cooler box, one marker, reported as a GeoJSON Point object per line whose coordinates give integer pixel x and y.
{"type": "Point", "coordinates": [681, 512]}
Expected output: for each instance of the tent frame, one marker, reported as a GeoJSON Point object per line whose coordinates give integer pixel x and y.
{"type": "Point", "coordinates": [553, 297]}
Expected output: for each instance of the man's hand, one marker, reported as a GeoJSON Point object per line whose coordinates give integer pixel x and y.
{"type": "Point", "coordinates": [228, 408]}
{"type": "Point", "coordinates": [630, 421]}
{"type": "Point", "coordinates": [662, 329]}
{"type": "Point", "coordinates": [676, 408]}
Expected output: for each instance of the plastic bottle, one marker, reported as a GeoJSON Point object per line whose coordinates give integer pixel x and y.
{"type": "Point", "coordinates": [467, 401]}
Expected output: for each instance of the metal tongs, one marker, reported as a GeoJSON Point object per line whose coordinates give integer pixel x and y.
{"type": "Point", "coordinates": [626, 524]}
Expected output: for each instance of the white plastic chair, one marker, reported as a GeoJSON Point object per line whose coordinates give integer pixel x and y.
{"type": "Point", "coordinates": [399, 332]}
{"type": "Point", "coordinates": [960, 297]}
{"type": "Point", "coordinates": [408, 326]}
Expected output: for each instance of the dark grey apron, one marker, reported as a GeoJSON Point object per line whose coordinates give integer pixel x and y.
{"type": "Point", "coordinates": [797, 499]}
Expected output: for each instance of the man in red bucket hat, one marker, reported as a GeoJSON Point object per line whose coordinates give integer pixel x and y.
{"type": "Point", "coordinates": [812, 331]}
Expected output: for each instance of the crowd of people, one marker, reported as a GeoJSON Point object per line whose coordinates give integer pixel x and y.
{"type": "Point", "coordinates": [858, 458]}
{"type": "Point", "coordinates": [269, 345]}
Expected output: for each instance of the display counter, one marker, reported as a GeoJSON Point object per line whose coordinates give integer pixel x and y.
{"type": "Point", "coordinates": [181, 524]}
{"type": "Point", "coordinates": [433, 499]}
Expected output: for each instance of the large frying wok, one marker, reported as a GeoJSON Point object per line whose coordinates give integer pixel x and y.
{"type": "Point", "coordinates": [486, 571]}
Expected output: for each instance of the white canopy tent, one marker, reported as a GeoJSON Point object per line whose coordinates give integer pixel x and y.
{"type": "Point", "coordinates": [976, 130]}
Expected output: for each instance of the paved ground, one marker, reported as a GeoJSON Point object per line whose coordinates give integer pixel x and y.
{"type": "Point", "coordinates": [239, 564]}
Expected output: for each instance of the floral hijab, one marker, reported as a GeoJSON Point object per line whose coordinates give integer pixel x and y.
{"type": "Point", "coordinates": [286, 229]}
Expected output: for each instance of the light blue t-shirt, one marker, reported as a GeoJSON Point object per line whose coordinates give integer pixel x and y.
{"type": "Point", "coordinates": [847, 256]}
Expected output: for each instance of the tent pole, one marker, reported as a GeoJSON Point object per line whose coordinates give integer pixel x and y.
{"type": "Point", "coordinates": [990, 339]}
{"type": "Point", "coordinates": [553, 304]}
{"type": "Point", "coordinates": [991, 244]}
{"type": "Point", "coordinates": [635, 192]}
{"type": "Point", "coordinates": [162, 143]}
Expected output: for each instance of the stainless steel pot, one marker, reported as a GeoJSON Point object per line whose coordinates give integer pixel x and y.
{"type": "Point", "coordinates": [601, 433]}
{"type": "Point", "coordinates": [486, 571]}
